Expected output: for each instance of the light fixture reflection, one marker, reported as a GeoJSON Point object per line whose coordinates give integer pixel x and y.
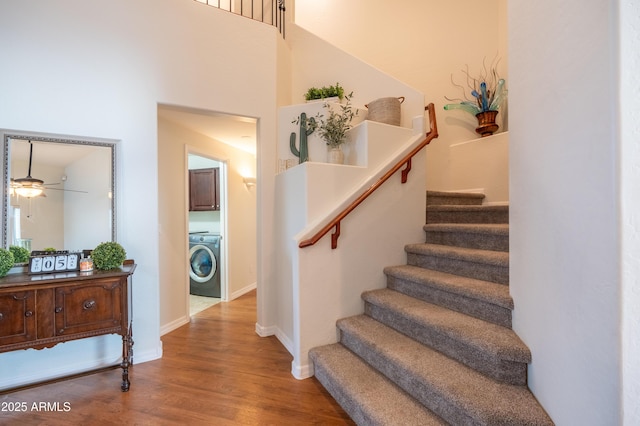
{"type": "Point", "coordinates": [28, 191]}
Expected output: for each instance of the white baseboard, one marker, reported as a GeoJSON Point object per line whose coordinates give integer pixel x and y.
{"type": "Point", "coordinates": [56, 371]}
{"type": "Point", "coordinates": [275, 331]}
{"type": "Point", "coordinates": [146, 356]}
{"type": "Point", "coordinates": [284, 339]}
{"type": "Point", "coordinates": [173, 325]}
{"type": "Point", "coordinates": [266, 331]}
{"type": "Point", "coordinates": [242, 291]}
{"type": "Point", "coordinates": [301, 372]}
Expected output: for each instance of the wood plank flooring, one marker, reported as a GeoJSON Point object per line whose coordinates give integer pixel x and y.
{"type": "Point", "coordinates": [214, 371]}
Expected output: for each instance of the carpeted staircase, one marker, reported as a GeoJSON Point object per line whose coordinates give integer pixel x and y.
{"type": "Point", "coordinates": [436, 347]}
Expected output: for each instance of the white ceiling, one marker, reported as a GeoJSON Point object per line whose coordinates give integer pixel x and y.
{"type": "Point", "coordinates": [50, 153]}
{"type": "Point", "coordinates": [239, 132]}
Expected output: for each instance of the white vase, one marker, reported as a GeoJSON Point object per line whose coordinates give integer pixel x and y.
{"type": "Point", "coordinates": [335, 155]}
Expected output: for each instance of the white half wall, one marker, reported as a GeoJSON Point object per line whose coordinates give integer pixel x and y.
{"type": "Point", "coordinates": [629, 39]}
{"type": "Point", "coordinates": [565, 205]}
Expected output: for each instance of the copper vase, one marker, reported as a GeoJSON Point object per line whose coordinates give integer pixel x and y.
{"type": "Point", "coordinates": [487, 123]}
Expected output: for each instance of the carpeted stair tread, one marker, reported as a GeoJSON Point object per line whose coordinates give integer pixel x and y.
{"type": "Point", "coordinates": [455, 392]}
{"type": "Point", "coordinates": [488, 236]}
{"type": "Point", "coordinates": [489, 257]}
{"type": "Point", "coordinates": [470, 208]}
{"type": "Point", "coordinates": [366, 395]}
{"type": "Point", "coordinates": [480, 299]}
{"type": "Point", "coordinates": [489, 338]}
{"type": "Point", "coordinates": [486, 291]}
{"type": "Point", "coordinates": [454, 198]}
{"type": "Point", "coordinates": [471, 228]}
{"type": "Point", "coordinates": [497, 294]}
{"type": "Point", "coordinates": [488, 265]}
{"type": "Point", "coordinates": [468, 213]}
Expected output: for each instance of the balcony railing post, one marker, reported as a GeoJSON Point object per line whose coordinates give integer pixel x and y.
{"type": "Point", "coordinates": [277, 7]}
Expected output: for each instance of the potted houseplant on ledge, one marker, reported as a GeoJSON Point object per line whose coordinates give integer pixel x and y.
{"type": "Point", "coordinates": [487, 92]}
{"type": "Point", "coordinates": [324, 93]}
{"type": "Point", "coordinates": [333, 128]}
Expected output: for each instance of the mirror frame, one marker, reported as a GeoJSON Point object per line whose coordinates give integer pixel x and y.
{"type": "Point", "coordinates": [7, 135]}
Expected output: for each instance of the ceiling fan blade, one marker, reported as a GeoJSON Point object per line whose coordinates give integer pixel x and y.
{"type": "Point", "coordinates": [68, 190]}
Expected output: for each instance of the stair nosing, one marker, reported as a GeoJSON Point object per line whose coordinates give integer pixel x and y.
{"type": "Point", "coordinates": [397, 397]}
{"type": "Point", "coordinates": [473, 288]}
{"type": "Point", "coordinates": [489, 257]}
{"type": "Point", "coordinates": [499, 229]}
{"type": "Point", "coordinates": [471, 394]}
{"type": "Point", "coordinates": [499, 341]}
{"type": "Point", "coordinates": [468, 207]}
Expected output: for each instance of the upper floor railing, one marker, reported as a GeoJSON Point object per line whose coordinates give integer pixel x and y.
{"type": "Point", "coordinates": [270, 12]}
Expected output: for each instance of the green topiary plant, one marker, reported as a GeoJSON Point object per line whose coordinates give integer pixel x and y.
{"type": "Point", "coordinates": [6, 261]}
{"type": "Point", "coordinates": [20, 254]}
{"type": "Point", "coordinates": [109, 255]}
{"type": "Point", "coordinates": [325, 92]}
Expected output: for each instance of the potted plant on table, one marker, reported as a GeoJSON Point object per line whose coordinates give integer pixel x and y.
{"type": "Point", "coordinates": [6, 261]}
{"type": "Point", "coordinates": [108, 255]}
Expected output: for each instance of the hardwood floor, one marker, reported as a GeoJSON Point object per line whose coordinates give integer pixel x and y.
{"type": "Point", "coordinates": [214, 371]}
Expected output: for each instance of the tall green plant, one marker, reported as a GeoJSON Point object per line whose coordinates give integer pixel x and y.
{"type": "Point", "coordinates": [333, 129]}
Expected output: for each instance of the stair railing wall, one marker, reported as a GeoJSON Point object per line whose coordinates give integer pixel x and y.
{"type": "Point", "coordinates": [406, 162]}
{"type": "Point", "coordinates": [271, 12]}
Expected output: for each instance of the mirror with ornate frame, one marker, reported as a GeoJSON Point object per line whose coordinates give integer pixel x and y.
{"type": "Point", "coordinates": [58, 192]}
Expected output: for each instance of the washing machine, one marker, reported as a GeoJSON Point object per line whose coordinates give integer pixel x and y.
{"type": "Point", "coordinates": [204, 264]}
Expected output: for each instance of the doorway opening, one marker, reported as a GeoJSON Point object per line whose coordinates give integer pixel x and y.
{"type": "Point", "coordinates": [230, 141]}
{"type": "Point", "coordinates": [207, 230]}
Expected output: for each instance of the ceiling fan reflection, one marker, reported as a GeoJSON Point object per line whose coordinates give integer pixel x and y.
{"type": "Point", "coordinates": [30, 187]}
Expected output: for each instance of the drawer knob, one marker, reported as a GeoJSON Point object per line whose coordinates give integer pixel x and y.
{"type": "Point", "coordinates": [1, 315]}
{"type": "Point", "coordinates": [89, 304]}
{"type": "Point", "coordinates": [28, 314]}
{"type": "Point", "coordinates": [58, 309]}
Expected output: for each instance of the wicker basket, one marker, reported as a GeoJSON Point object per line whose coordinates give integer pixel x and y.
{"type": "Point", "coordinates": [385, 110]}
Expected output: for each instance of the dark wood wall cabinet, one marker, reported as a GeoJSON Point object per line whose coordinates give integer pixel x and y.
{"type": "Point", "coordinates": [204, 189]}
{"type": "Point", "coordinates": [40, 311]}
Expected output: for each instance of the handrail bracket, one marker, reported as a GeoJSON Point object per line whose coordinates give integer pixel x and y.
{"type": "Point", "coordinates": [335, 236]}
{"type": "Point", "coordinates": [405, 171]}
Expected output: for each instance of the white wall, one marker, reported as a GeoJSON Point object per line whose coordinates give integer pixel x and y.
{"type": "Point", "coordinates": [629, 39]}
{"type": "Point", "coordinates": [88, 216]}
{"type": "Point", "coordinates": [42, 218]}
{"type": "Point", "coordinates": [99, 70]}
{"type": "Point", "coordinates": [565, 205]}
{"type": "Point", "coordinates": [421, 44]}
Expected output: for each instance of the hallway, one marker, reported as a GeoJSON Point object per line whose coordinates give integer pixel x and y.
{"type": "Point", "coordinates": [214, 371]}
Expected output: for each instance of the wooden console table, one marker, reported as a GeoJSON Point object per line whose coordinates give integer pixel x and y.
{"type": "Point", "coordinates": [40, 311]}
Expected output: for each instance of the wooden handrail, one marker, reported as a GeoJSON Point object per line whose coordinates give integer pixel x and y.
{"type": "Point", "coordinates": [406, 161]}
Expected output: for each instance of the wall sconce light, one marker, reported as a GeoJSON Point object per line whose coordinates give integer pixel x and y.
{"type": "Point", "coordinates": [249, 181]}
